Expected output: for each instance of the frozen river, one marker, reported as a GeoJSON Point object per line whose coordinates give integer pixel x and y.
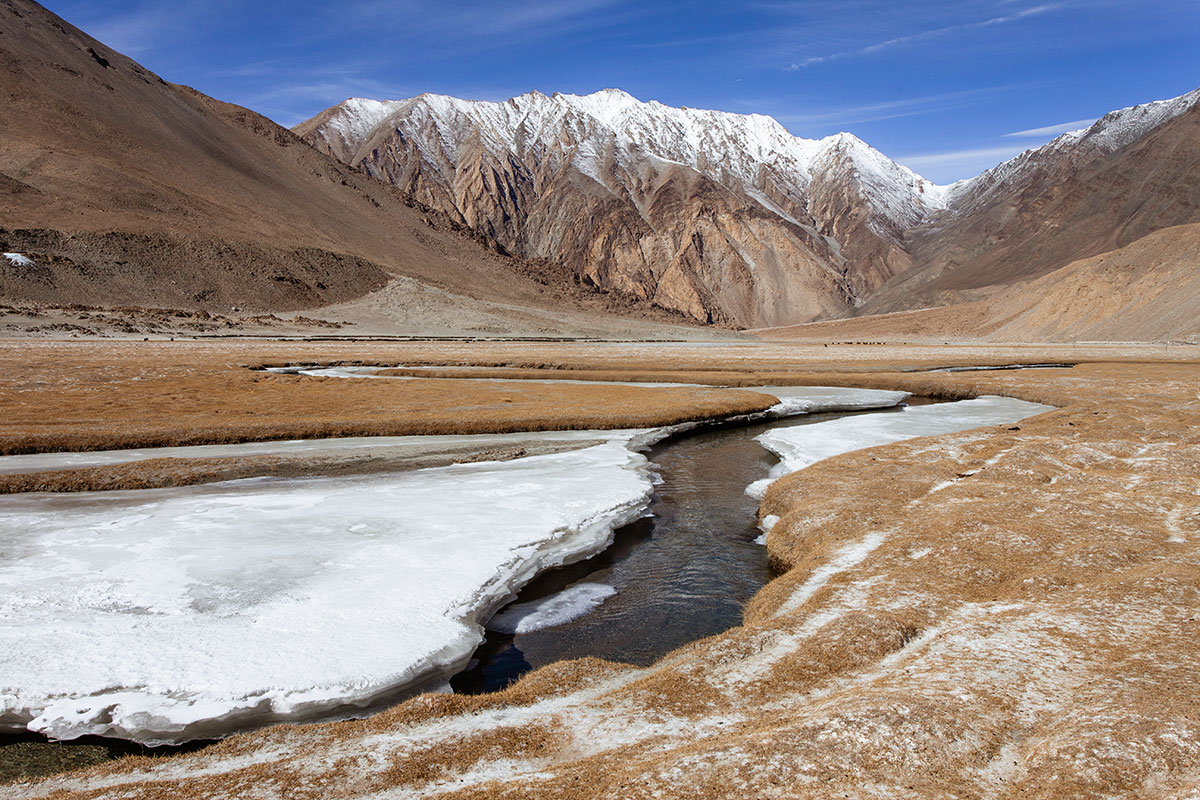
{"type": "Point", "coordinates": [168, 615]}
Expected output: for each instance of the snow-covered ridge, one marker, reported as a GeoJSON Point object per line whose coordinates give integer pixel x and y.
{"type": "Point", "coordinates": [748, 150]}
{"type": "Point", "coordinates": [1124, 126]}
{"type": "Point", "coordinates": [1108, 134]}
{"type": "Point", "coordinates": [743, 150]}
{"type": "Point", "coordinates": [357, 117]}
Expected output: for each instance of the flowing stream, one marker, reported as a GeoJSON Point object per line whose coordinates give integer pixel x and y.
{"type": "Point", "coordinates": [680, 573]}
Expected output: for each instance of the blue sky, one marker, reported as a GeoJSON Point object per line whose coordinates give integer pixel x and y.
{"type": "Point", "coordinates": [948, 87]}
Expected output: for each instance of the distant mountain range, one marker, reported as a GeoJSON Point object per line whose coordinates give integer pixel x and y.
{"type": "Point", "coordinates": [732, 220]}
{"type": "Point", "coordinates": [117, 188]}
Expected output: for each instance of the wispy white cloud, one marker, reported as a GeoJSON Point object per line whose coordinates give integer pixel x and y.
{"type": "Point", "coordinates": [485, 24]}
{"type": "Point", "coordinates": [148, 26]}
{"type": "Point", "coordinates": [926, 35]}
{"type": "Point", "coordinates": [1053, 130]}
{"type": "Point", "coordinates": [132, 34]}
{"type": "Point", "coordinates": [955, 156]}
{"type": "Point", "coordinates": [872, 112]}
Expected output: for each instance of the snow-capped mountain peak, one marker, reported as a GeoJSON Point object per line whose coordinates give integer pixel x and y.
{"type": "Point", "coordinates": [1123, 126]}
{"type": "Point", "coordinates": [687, 207]}
{"type": "Point", "coordinates": [1106, 135]}
{"type": "Point", "coordinates": [738, 150]}
{"type": "Point", "coordinates": [490, 164]}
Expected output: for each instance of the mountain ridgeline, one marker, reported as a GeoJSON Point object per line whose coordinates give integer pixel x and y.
{"type": "Point", "coordinates": [733, 221]}
{"type": "Point", "coordinates": [119, 189]}
{"type": "Point", "coordinates": [590, 215]}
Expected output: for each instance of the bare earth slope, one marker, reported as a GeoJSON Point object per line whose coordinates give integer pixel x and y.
{"type": "Point", "coordinates": [1000, 613]}
{"type": "Point", "coordinates": [1146, 291]}
{"type": "Point", "coordinates": [1133, 172]}
{"type": "Point", "coordinates": [126, 190]}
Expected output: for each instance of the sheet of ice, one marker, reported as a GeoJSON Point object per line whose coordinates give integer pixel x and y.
{"type": "Point", "coordinates": [804, 445]}
{"type": "Point", "coordinates": [1002, 367]}
{"type": "Point", "coordinates": [373, 372]}
{"type": "Point", "coordinates": [794, 400]}
{"type": "Point", "coordinates": [546, 612]}
{"type": "Point", "coordinates": [167, 615]}
{"type": "Point", "coordinates": [31, 462]}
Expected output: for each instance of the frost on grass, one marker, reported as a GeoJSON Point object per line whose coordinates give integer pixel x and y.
{"type": "Point", "coordinates": [167, 615]}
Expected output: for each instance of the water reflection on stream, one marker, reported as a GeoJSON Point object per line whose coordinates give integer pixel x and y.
{"type": "Point", "coordinates": [681, 574]}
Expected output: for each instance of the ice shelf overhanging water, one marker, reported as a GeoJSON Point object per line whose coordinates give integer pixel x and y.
{"type": "Point", "coordinates": [174, 614]}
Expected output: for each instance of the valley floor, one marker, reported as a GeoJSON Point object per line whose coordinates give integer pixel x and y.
{"type": "Point", "coordinates": [995, 613]}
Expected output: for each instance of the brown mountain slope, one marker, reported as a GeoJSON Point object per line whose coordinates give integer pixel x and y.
{"type": "Point", "coordinates": [128, 190]}
{"type": "Point", "coordinates": [1058, 204]}
{"type": "Point", "coordinates": [731, 219]}
{"type": "Point", "coordinates": [1146, 291]}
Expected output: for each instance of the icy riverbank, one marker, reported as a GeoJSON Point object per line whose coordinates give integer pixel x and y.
{"type": "Point", "coordinates": [800, 447]}
{"type": "Point", "coordinates": [167, 615]}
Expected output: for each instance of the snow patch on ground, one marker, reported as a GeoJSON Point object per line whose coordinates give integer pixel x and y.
{"type": "Point", "coordinates": [794, 400]}
{"type": "Point", "coordinates": [19, 260]}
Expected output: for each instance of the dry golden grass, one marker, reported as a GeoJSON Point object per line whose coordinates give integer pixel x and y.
{"type": "Point", "coordinates": [95, 396]}
{"type": "Point", "coordinates": [1019, 620]}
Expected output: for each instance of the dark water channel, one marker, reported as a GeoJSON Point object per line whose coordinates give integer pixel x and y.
{"type": "Point", "coordinates": [680, 574]}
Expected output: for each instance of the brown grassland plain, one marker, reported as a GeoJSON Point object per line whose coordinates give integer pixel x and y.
{"type": "Point", "coordinates": [93, 396]}
{"type": "Point", "coordinates": [999, 613]}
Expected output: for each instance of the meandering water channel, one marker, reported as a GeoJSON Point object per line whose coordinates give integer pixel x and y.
{"type": "Point", "coordinates": [680, 573]}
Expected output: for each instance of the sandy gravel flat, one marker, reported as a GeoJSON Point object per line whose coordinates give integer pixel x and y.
{"type": "Point", "coordinates": [995, 613]}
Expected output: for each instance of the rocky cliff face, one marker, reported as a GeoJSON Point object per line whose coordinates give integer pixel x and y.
{"type": "Point", "coordinates": [732, 220]}
{"type": "Point", "coordinates": [727, 218]}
